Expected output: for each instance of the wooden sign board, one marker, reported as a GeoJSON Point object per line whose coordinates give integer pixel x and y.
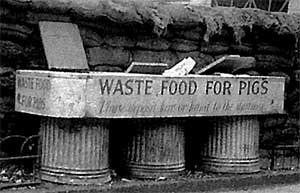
{"type": "Point", "coordinates": [63, 46]}
{"type": "Point", "coordinates": [55, 94]}
{"type": "Point", "coordinates": [120, 95]}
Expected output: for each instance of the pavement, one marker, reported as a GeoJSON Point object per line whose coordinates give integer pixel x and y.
{"type": "Point", "coordinates": [286, 181]}
{"type": "Point", "coordinates": [295, 188]}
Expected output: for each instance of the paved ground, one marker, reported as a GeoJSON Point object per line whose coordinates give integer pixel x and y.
{"type": "Point", "coordinates": [263, 182]}
{"type": "Point", "coordinates": [274, 189]}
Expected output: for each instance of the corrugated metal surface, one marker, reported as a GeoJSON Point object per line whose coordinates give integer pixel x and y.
{"type": "Point", "coordinates": [155, 148]}
{"type": "Point", "coordinates": [232, 145]}
{"type": "Point", "coordinates": [74, 151]}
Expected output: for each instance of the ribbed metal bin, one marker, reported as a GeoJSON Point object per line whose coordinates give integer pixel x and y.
{"type": "Point", "coordinates": [74, 151]}
{"type": "Point", "coordinates": [155, 148]}
{"type": "Point", "coordinates": [232, 145]}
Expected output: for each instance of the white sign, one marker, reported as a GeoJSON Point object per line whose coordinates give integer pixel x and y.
{"type": "Point", "coordinates": [119, 95]}
{"type": "Point", "coordinates": [55, 94]}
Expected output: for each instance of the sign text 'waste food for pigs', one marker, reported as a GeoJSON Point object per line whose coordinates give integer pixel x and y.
{"type": "Point", "coordinates": [117, 95]}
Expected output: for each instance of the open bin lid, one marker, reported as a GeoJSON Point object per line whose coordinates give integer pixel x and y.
{"type": "Point", "coordinates": [63, 46]}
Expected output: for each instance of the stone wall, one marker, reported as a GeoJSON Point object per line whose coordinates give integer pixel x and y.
{"type": "Point", "coordinates": [115, 34]}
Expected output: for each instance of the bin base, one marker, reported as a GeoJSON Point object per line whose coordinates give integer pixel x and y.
{"type": "Point", "coordinates": [74, 177]}
{"type": "Point", "coordinates": [230, 166]}
{"type": "Point", "coordinates": [154, 171]}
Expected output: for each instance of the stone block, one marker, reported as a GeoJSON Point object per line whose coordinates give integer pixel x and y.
{"type": "Point", "coordinates": [167, 57]}
{"type": "Point", "coordinates": [116, 40]}
{"type": "Point", "coordinates": [35, 18]}
{"type": "Point", "coordinates": [241, 49]}
{"type": "Point", "coordinates": [6, 104]}
{"type": "Point", "coordinates": [296, 75]}
{"type": "Point", "coordinates": [15, 32]}
{"type": "Point", "coordinates": [293, 102]}
{"type": "Point", "coordinates": [273, 62]}
{"type": "Point", "coordinates": [214, 48]}
{"type": "Point", "coordinates": [11, 51]}
{"type": "Point", "coordinates": [191, 34]}
{"type": "Point", "coordinates": [273, 121]}
{"type": "Point", "coordinates": [90, 38]}
{"type": "Point", "coordinates": [297, 63]}
{"type": "Point", "coordinates": [184, 45]}
{"type": "Point", "coordinates": [264, 48]}
{"type": "Point", "coordinates": [108, 55]}
{"type": "Point", "coordinates": [152, 43]}
{"type": "Point", "coordinates": [7, 81]}
{"type": "Point", "coordinates": [35, 57]}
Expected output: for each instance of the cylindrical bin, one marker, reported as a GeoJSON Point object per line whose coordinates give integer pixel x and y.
{"type": "Point", "coordinates": [74, 151]}
{"type": "Point", "coordinates": [231, 145]}
{"type": "Point", "coordinates": [155, 148]}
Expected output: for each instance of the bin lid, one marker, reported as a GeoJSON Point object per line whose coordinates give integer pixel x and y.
{"type": "Point", "coordinates": [63, 46]}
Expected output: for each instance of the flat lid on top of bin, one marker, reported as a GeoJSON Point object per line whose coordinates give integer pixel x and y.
{"type": "Point", "coordinates": [147, 68]}
{"type": "Point", "coordinates": [232, 64]}
{"type": "Point", "coordinates": [63, 46]}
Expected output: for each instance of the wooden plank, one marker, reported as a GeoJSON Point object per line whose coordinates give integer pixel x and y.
{"type": "Point", "coordinates": [55, 94]}
{"type": "Point", "coordinates": [181, 68]}
{"type": "Point", "coordinates": [120, 95]}
{"type": "Point", "coordinates": [63, 46]}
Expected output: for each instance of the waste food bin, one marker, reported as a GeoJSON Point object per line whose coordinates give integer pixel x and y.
{"type": "Point", "coordinates": [155, 148]}
{"type": "Point", "coordinates": [231, 145]}
{"type": "Point", "coordinates": [74, 151]}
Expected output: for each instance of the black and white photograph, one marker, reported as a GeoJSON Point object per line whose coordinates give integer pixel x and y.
{"type": "Point", "coordinates": [140, 96]}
